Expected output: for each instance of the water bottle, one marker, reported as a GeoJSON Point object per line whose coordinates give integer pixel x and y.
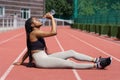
{"type": "Point", "coordinates": [43, 20]}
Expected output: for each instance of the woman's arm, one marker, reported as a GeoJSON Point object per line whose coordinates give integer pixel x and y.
{"type": "Point", "coordinates": [23, 59]}
{"type": "Point", "coordinates": [53, 31]}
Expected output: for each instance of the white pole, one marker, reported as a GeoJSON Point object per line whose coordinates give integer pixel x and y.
{"type": "Point", "coordinates": [15, 21]}
{"type": "Point", "coordinates": [3, 22]}
{"type": "Point", "coordinates": [7, 21]}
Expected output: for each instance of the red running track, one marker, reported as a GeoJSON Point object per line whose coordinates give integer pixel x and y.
{"type": "Point", "coordinates": [12, 47]}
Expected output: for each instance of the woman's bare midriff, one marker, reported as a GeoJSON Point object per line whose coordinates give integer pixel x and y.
{"type": "Point", "coordinates": [36, 51]}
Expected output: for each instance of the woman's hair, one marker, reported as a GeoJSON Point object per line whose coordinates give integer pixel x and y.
{"type": "Point", "coordinates": [28, 30]}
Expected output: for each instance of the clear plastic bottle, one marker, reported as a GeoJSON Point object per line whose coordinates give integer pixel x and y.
{"type": "Point", "coordinates": [43, 20]}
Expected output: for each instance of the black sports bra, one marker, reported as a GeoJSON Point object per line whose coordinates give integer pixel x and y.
{"type": "Point", "coordinates": [38, 45]}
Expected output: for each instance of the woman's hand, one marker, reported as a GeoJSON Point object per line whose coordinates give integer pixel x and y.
{"type": "Point", "coordinates": [17, 63]}
{"type": "Point", "coordinates": [48, 15]}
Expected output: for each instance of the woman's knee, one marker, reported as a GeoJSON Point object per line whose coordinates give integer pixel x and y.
{"type": "Point", "coordinates": [70, 50]}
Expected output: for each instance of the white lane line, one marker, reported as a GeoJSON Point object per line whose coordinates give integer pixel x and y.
{"type": "Point", "coordinates": [11, 38]}
{"type": "Point", "coordinates": [74, 71]}
{"type": "Point", "coordinates": [94, 47]}
{"type": "Point", "coordinates": [3, 77]}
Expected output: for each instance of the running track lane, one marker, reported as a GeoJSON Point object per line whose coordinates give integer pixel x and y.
{"type": "Point", "coordinates": [21, 72]}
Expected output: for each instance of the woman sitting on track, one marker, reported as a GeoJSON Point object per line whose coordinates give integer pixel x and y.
{"type": "Point", "coordinates": [37, 50]}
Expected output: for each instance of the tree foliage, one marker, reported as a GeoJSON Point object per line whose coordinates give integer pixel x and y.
{"type": "Point", "coordinates": [63, 8]}
{"type": "Point", "coordinates": [85, 7]}
{"type": "Point", "coordinates": [102, 7]}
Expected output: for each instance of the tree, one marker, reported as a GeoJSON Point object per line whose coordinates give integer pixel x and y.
{"type": "Point", "coordinates": [86, 7]}
{"type": "Point", "coordinates": [116, 9]}
{"type": "Point", "coordinates": [63, 8]}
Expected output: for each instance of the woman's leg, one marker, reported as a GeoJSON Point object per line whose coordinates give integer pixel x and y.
{"type": "Point", "coordinates": [53, 62]}
{"type": "Point", "coordinates": [45, 61]}
{"type": "Point", "coordinates": [72, 54]}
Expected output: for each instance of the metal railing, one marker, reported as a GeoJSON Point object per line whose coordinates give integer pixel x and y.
{"type": "Point", "coordinates": [10, 23]}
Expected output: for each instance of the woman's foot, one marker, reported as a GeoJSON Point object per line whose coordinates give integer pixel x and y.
{"type": "Point", "coordinates": [103, 62]}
